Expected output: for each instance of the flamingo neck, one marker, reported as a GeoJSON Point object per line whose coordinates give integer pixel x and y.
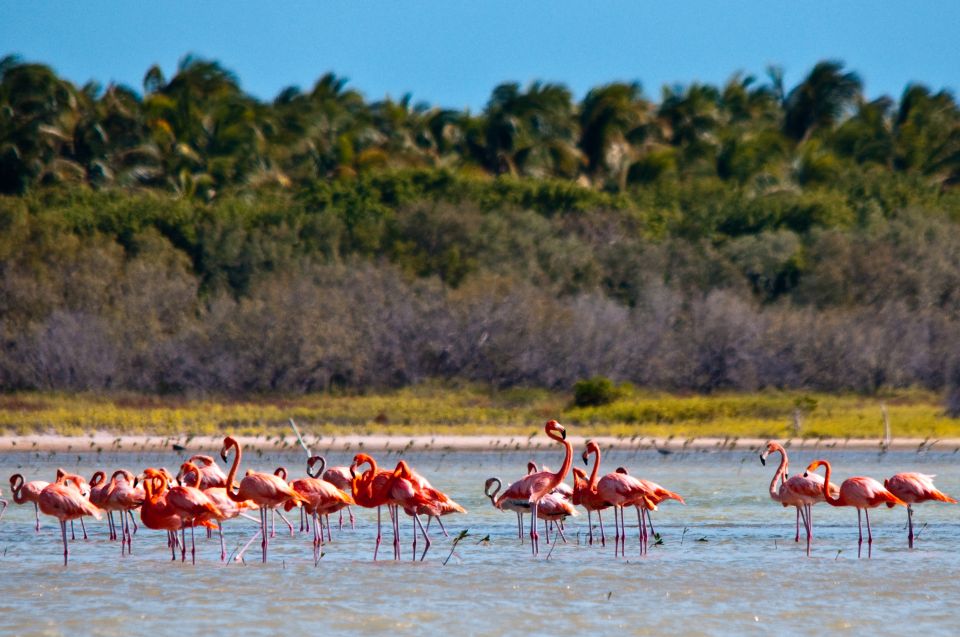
{"type": "Point", "coordinates": [782, 469]}
{"type": "Point", "coordinates": [196, 474]}
{"type": "Point", "coordinates": [826, 487]}
{"type": "Point", "coordinates": [493, 495]}
{"type": "Point", "coordinates": [567, 460]}
{"type": "Point", "coordinates": [233, 473]}
{"type": "Point", "coordinates": [16, 485]}
{"type": "Point", "coordinates": [592, 485]}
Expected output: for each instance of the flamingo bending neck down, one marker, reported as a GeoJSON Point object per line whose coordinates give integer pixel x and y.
{"type": "Point", "coordinates": [517, 506]}
{"type": "Point", "coordinates": [860, 492]}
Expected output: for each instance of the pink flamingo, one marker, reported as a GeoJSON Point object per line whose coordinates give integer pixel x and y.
{"type": "Point", "coordinates": [554, 509]}
{"type": "Point", "coordinates": [211, 475]}
{"type": "Point", "coordinates": [517, 505]}
{"type": "Point", "coordinates": [861, 492]}
{"type": "Point", "coordinates": [340, 478]}
{"type": "Point", "coordinates": [265, 489]}
{"type": "Point", "coordinates": [801, 491]}
{"type": "Point", "coordinates": [533, 487]}
{"type": "Point", "coordinates": [914, 488]}
{"type": "Point", "coordinates": [64, 501]}
{"type": "Point", "coordinates": [218, 496]}
{"type": "Point", "coordinates": [124, 497]}
{"type": "Point", "coordinates": [194, 507]}
{"type": "Point", "coordinates": [589, 500]}
{"type": "Point", "coordinates": [24, 492]}
{"type": "Point", "coordinates": [320, 498]}
{"type": "Point", "coordinates": [428, 501]}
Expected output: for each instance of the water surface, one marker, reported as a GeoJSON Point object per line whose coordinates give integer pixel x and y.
{"type": "Point", "coordinates": [727, 566]}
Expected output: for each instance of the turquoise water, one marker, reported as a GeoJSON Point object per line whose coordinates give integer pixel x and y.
{"type": "Point", "coordinates": [728, 564]}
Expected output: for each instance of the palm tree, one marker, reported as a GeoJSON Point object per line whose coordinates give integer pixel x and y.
{"type": "Point", "coordinates": [820, 100]}
{"type": "Point", "coordinates": [615, 125]}
{"type": "Point", "coordinates": [927, 132]}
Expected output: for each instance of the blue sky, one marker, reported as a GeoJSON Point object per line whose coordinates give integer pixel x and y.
{"type": "Point", "coordinates": [453, 53]}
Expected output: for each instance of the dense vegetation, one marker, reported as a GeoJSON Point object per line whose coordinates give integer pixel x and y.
{"type": "Point", "coordinates": [191, 238]}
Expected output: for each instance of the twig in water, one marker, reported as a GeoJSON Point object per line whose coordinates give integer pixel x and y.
{"type": "Point", "coordinates": [685, 529]}
{"type": "Point", "coordinates": [916, 536]}
{"type": "Point", "coordinates": [839, 551]}
{"type": "Point", "coordinates": [464, 533]}
{"type": "Point", "coordinates": [299, 438]}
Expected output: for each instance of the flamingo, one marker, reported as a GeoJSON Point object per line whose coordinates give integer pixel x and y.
{"type": "Point", "coordinates": [516, 505]}
{"type": "Point", "coordinates": [64, 501]}
{"type": "Point", "coordinates": [431, 502]}
{"type": "Point", "coordinates": [320, 498]}
{"type": "Point", "coordinates": [206, 468]}
{"type": "Point", "coordinates": [280, 472]}
{"type": "Point", "coordinates": [554, 509]}
{"type": "Point", "coordinates": [99, 487]}
{"type": "Point", "coordinates": [533, 487]}
{"type": "Point", "coordinates": [124, 497]}
{"type": "Point", "coordinates": [228, 509]}
{"type": "Point", "coordinates": [265, 489]}
{"type": "Point", "coordinates": [914, 488]}
{"type": "Point", "coordinates": [24, 492]}
{"type": "Point", "coordinates": [369, 491]}
{"type": "Point", "coordinates": [861, 492]}
{"type": "Point", "coordinates": [589, 499]}
{"type": "Point", "coordinates": [340, 478]}
{"type": "Point", "coordinates": [156, 512]}
{"type": "Point", "coordinates": [4, 503]}
{"type": "Point", "coordinates": [801, 491]}
{"type": "Point", "coordinates": [194, 508]}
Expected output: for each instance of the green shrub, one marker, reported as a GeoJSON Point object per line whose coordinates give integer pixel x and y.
{"type": "Point", "coordinates": [596, 391]}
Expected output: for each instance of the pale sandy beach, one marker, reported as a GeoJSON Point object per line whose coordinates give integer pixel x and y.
{"type": "Point", "coordinates": [209, 444]}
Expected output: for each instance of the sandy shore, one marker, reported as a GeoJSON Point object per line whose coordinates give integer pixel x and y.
{"type": "Point", "coordinates": [211, 444]}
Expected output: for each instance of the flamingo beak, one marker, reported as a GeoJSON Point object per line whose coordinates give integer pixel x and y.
{"type": "Point", "coordinates": [353, 473]}
{"type": "Point", "coordinates": [583, 457]}
{"type": "Point", "coordinates": [763, 459]}
{"type": "Point", "coordinates": [563, 434]}
{"type": "Point", "coordinates": [223, 454]}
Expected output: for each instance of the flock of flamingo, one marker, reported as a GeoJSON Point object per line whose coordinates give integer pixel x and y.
{"type": "Point", "coordinates": [202, 495]}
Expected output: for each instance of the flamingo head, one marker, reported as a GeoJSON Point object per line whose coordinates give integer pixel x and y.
{"type": "Point", "coordinates": [489, 483]}
{"type": "Point", "coordinates": [531, 467]}
{"type": "Point", "coordinates": [97, 478]}
{"type": "Point", "coordinates": [312, 461]}
{"type": "Point", "coordinates": [816, 464]}
{"type": "Point", "coordinates": [227, 443]}
{"type": "Point", "coordinates": [771, 448]}
{"type": "Point", "coordinates": [280, 472]}
{"type": "Point", "coordinates": [554, 426]}
{"type": "Point", "coordinates": [579, 474]}
{"type": "Point", "coordinates": [592, 447]}
{"type": "Point", "coordinates": [359, 459]}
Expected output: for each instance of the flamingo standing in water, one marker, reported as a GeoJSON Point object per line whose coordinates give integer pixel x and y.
{"type": "Point", "coordinates": [370, 489]}
{"type": "Point", "coordinates": [428, 501]}
{"type": "Point", "coordinates": [861, 492]}
{"type": "Point", "coordinates": [218, 495]}
{"type": "Point", "coordinates": [64, 501]}
{"type": "Point", "coordinates": [265, 489]}
{"type": "Point", "coordinates": [124, 497]}
{"type": "Point", "coordinates": [589, 499]}
{"type": "Point", "coordinates": [516, 505]}
{"type": "Point", "coordinates": [24, 492]}
{"type": "Point", "coordinates": [320, 498]}
{"type": "Point", "coordinates": [340, 478]}
{"type": "Point", "coordinates": [914, 488]}
{"type": "Point", "coordinates": [533, 487]}
{"type": "Point", "coordinates": [209, 473]}
{"type": "Point", "coordinates": [156, 512]}
{"type": "Point", "coordinates": [801, 491]}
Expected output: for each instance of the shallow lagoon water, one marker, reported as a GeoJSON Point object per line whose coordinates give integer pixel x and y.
{"type": "Point", "coordinates": [728, 564]}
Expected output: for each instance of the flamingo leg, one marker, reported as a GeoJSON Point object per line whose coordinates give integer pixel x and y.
{"type": "Point", "coordinates": [329, 538]}
{"type": "Point", "coordinates": [286, 521]}
{"type": "Point", "coordinates": [193, 546]}
{"type": "Point", "coordinates": [36, 512]}
{"type": "Point", "coordinates": [113, 532]}
{"type": "Point", "coordinates": [63, 532]}
{"type": "Point", "coordinates": [83, 528]}
{"type": "Point", "coordinates": [534, 536]}
{"type": "Point", "coordinates": [73, 535]}
{"type": "Point", "coordinates": [560, 533]}
{"type": "Point", "coordinates": [440, 522]}
{"type": "Point", "coordinates": [520, 526]}
{"type": "Point", "coordinates": [265, 543]}
{"type": "Point", "coordinates": [396, 532]}
{"type": "Point", "coordinates": [223, 546]}
{"type": "Point", "coordinates": [133, 520]}
{"type": "Point", "coordinates": [379, 536]}
{"type": "Point", "coordinates": [350, 511]}
{"type": "Point", "coordinates": [249, 542]}
{"type": "Point", "coordinates": [642, 526]}
{"type": "Point", "coordinates": [5, 505]}
{"type": "Point", "coordinates": [590, 525]}
{"type": "Point", "coordinates": [426, 537]}
{"type": "Point", "coordinates": [910, 525]}
{"type": "Point", "coordinates": [623, 532]}
{"type": "Point", "coordinates": [866, 513]}
{"type": "Point", "coordinates": [603, 539]}
{"type": "Point", "coordinates": [860, 528]}
{"type": "Point", "coordinates": [123, 535]}
{"type": "Point", "coordinates": [546, 532]}
{"type": "Point", "coordinates": [413, 524]}
{"type": "Point", "coordinates": [796, 538]}
{"type": "Point", "coordinates": [340, 527]}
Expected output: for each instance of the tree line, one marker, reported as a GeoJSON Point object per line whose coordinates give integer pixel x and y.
{"type": "Point", "coordinates": [191, 238]}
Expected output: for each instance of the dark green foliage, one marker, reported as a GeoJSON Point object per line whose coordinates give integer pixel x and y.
{"type": "Point", "coordinates": [596, 391]}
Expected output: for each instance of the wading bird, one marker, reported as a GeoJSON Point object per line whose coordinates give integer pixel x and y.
{"type": "Point", "coordinates": [914, 488]}
{"type": "Point", "coordinates": [802, 491]}
{"type": "Point", "coordinates": [24, 492]}
{"type": "Point", "coordinates": [265, 489]}
{"type": "Point", "coordinates": [320, 499]}
{"type": "Point", "coordinates": [64, 500]}
{"type": "Point", "coordinates": [340, 478]}
{"type": "Point", "coordinates": [860, 492]}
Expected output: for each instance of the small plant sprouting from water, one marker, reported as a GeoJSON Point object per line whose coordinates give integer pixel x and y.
{"type": "Point", "coordinates": [685, 529]}
{"type": "Point", "coordinates": [485, 540]}
{"type": "Point", "coordinates": [657, 539]}
{"type": "Point", "coordinates": [464, 533]}
{"type": "Point", "coordinates": [839, 551]}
